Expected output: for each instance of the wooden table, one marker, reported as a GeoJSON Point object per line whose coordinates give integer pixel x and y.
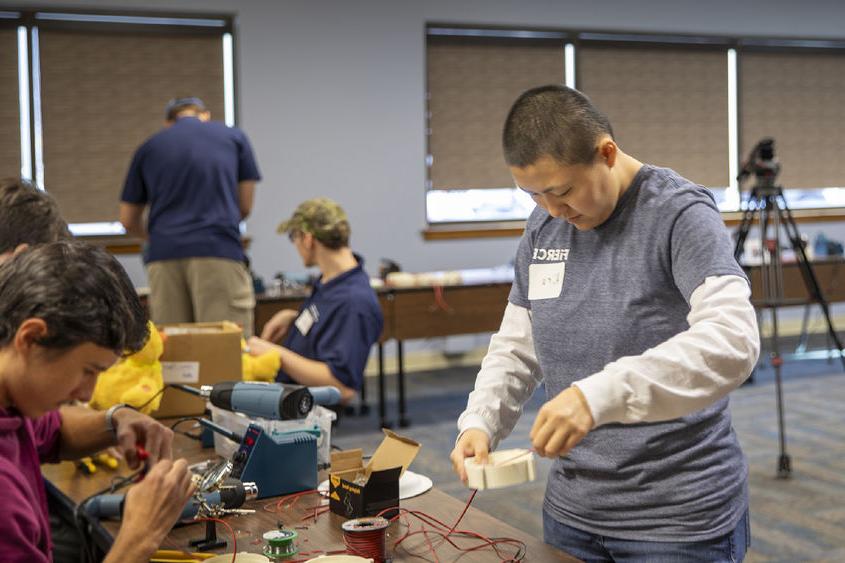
{"type": "Point", "coordinates": [324, 533]}
{"type": "Point", "coordinates": [427, 312]}
{"type": "Point", "coordinates": [830, 273]}
{"type": "Point", "coordinates": [413, 312]}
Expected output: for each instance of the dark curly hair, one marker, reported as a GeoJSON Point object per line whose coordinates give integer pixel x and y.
{"type": "Point", "coordinates": [80, 291]}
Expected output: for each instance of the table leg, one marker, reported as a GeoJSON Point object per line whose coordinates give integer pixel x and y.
{"type": "Point", "coordinates": [404, 421]}
{"type": "Point", "coordinates": [382, 414]}
{"type": "Point", "coordinates": [363, 407]}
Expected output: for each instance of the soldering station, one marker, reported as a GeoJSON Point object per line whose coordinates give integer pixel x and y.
{"type": "Point", "coordinates": [276, 456]}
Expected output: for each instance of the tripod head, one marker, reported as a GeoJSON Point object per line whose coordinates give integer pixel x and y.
{"type": "Point", "coordinates": [763, 163]}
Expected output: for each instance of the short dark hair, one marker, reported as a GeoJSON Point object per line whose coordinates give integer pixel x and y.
{"type": "Point", "coordinates": [337, 237]}
{"type": "Point", "coordinates": [28, 215]}
{"type": "Point", "coordinates": [554, 121]}
{"type": "Point", "coordinates": [178, 105]}
{"type": "Point", "coordinates": [80, 291]}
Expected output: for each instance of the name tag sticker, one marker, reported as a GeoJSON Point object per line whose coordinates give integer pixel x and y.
{"type": "Point", "coordinates": [304, 322]}
{"type": "Point", "coordinates": [545, 281]}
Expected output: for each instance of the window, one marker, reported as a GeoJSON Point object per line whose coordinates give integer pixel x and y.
{"type": "Point", "coordinates": [100, 82]}
{"type": "Point", "coordinates": [796, 98]}
{"type": "Point", "coordinates": [472, 82]}
{"type": "Point", "coordinates": [10, 106]}
{"type": "Point", "coordinates": [695, 104]}
{"type": "Point", "coordinates": [668, 104]}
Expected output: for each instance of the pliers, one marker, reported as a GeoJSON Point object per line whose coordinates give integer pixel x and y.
{"type": "Point", "coordinates": [143, 457]}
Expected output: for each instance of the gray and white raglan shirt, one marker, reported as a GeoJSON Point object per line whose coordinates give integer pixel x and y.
{"type": "Point", "coordinates": [650, 316]}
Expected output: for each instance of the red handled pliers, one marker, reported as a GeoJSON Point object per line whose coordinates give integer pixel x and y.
{"type": "Point", "coordinates": [143, 457]}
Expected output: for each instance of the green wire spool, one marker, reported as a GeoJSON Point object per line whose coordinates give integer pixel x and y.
{"type": "Point", "coordinates": [280, 544]}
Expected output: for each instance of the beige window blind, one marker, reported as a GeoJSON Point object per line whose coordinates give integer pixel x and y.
{"type": "Point", "coordinates": [668, 105]}
{"type": "Point", "coordinates": [799, 100]}
{"type": "Point", "coordinates": [471, 86]}
{"type": "Point", "coordinates": [10, 131]}
{"type": "Point", "coordinates": [103, 94]}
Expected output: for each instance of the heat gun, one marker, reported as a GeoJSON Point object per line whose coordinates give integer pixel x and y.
{"type": "Point", "coordinates": [275, 401]}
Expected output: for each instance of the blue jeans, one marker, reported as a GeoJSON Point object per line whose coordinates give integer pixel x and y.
{"type": "Point", "coordinates": [592, 547]}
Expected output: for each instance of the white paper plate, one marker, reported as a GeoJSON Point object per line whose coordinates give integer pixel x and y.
{"type": "Point", "coordinates": [410, 485]}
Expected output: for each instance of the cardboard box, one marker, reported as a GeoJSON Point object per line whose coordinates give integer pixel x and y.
{"type": "Point", "coordinates": [356, 490]}
{"type": "Point", "coordinates": [197, 354]}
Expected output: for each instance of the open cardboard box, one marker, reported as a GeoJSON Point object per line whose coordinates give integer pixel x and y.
{"type": "Point", "coordinates": [357, 490]}
{"type": "Point", "coordinates": [197, 354]}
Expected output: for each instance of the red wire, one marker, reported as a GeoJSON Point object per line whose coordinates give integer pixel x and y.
{"type": "Point", "coordinates": [231, 532]}
{"type": "Point", "coordinates": [469, 502]}
{"type": "Point", "coordinates": [294, 496]}
{"type": "Point", "coordinates": [450, 531]}
{"type": "Point", "coordinates": [366, 543]}
{"type": "Point", "coordinates": [371, 544]}
{"type": "Point", "coordinates": [317, 511]}
{"type": "Point", "coordinates": [440, 299]}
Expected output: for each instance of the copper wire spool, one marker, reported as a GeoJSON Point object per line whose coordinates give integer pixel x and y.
{"type": "Point", "coordinates": [366, 537]}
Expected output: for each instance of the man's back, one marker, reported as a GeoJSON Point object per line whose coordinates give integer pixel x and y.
{"type": "Point", "coordinates": [189, 173]}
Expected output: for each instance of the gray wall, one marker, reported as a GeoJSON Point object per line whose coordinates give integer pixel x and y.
{"type": "Point", "coordinates": [331, 94]}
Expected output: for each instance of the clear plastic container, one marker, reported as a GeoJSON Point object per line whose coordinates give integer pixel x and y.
{"type": "Point", "coordinates": [318, 420]}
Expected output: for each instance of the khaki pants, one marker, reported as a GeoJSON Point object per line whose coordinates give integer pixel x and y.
{"type": "Point", "coordinates": [201, 290]}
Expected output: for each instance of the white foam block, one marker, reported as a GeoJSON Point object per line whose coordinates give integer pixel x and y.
{"type": "Point", "coordinates": [503, 469]}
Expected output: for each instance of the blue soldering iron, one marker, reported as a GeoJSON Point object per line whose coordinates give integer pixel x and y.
{"type": "Point", "coordinates": [230, 496]}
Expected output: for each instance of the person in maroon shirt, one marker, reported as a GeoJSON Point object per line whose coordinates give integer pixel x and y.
{"type": "Point", "coordinates": [67, 312]}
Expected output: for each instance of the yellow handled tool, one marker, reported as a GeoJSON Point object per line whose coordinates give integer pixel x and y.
{"type": "Point", "coordinates": [174, 556]}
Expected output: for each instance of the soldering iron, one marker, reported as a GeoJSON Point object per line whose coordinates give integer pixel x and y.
{"type": "Point", "coordinates": [228, 496]}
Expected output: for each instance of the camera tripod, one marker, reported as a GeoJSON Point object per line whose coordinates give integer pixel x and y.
{"type": "Point", "coordinates": [767, 201]}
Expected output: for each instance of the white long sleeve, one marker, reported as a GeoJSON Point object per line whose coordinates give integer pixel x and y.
{"type": "Point", "coordinates": [507, 379]}
{"type": "Point", "coordinates": [687, 372]}
{"type": "Point", "coordinates": [683, 374]}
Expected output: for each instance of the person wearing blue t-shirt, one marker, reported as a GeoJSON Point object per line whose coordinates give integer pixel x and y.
{"type": "Point", "coordinates": [628, 305]}
{"type": "Point", "coordinates": [198, 179]}
{"type": "Point", "coordinates": [328, 340]}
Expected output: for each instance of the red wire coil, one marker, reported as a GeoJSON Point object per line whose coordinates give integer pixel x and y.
{"type": "Point", "coordinates": [366, 537]}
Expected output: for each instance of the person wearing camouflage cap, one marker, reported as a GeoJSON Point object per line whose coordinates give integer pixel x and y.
{"type": "Point", "coordinates": [321, 217]}
{"type": "Point", "coordinates": [328, 340]}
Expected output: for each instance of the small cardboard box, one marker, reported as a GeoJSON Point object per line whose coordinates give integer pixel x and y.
{"type": "Point", "coordinates": [197, 354]}
{"type": "Point", "coordinates": [356, 490]}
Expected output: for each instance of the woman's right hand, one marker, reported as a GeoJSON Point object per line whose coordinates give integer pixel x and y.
{"type": "Point", "coordinates": [151, 509]}
{"type": "Point", "coordinates": [472, 443]}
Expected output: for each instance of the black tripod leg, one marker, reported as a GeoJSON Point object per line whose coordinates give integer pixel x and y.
{"type": "Point", "coordinates": [751, 205]}
{"type": "Point", "coordinates": [744, 226]}
{"type": "Point", "coordinates": [784, 462]}
{"type": "Point", "coordinates": [811, 282]}
{"type": "Point", "coordinates": [773, 289]}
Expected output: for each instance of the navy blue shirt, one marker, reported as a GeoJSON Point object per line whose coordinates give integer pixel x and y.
{"type": "Point", "coordinates": [338, 324]}
{"type": "Point", "coordinates": [189, 173]}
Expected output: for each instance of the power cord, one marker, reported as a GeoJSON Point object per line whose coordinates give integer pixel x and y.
{"type": "Point", "coordinates": [183, 420]}
{"type": "Point", "coordinates": [151, 399]}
